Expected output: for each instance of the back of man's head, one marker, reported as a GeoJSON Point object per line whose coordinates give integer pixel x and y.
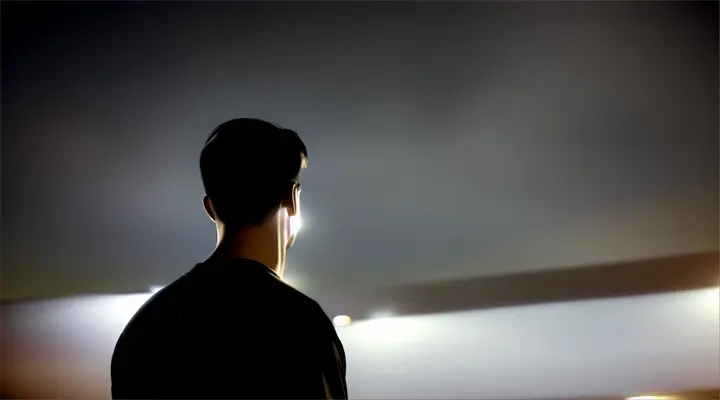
{"type": "Point", "coordinates": [248, 168]}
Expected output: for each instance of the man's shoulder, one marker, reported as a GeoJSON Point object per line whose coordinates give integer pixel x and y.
{"type": "Point", "coordinates": [219, 294]}
{"type": "Point", "coordinates": [243, 284]}
{"type": "Point", "coordinates": [300, 302]}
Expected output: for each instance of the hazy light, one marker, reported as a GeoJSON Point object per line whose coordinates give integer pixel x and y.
{"type": "Point", "coordinates": [342, 320]}
{"type": "Point", "coordinates": [393, 330]}
{"type": "Point", "coordinates": [119, 309]}
{"type": "Point", "coordinates": [295, 224]}
{"type": "Point", "coordinates": [290, 280]}
{"type": "Point", "coordinates": [382, 314]}
{"type": "Point", "coordinates": [511, 352]}
{"type": "Point", "coordinates": [155, 289]}
{"type": "Point", "coordinates": [649, 398]}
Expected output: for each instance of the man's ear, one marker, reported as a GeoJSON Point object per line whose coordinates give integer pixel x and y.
{"type": "Point", "coordinates": [207, 203]}
{"type": "Point", "coordinates": [293, 203]}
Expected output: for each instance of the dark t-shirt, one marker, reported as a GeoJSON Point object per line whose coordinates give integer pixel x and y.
{"type": "Point", "coordinates": [230, 330]}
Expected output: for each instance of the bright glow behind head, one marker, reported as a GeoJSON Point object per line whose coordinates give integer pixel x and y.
{"type": "Point", "coordinates": [295, 224]}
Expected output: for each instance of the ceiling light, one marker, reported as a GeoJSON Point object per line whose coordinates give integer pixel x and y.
{"type": "Point", "coordinates": [342, 320]}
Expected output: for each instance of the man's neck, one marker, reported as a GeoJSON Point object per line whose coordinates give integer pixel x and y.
{"type": "Point", "coordinates": [256, 243]}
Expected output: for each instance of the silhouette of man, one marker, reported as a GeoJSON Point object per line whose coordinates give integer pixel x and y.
{"type": "Point", "coordinates": [231, 328]}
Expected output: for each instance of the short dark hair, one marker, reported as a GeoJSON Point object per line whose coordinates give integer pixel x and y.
{"type": "Point", "coordinates": [248, 167]}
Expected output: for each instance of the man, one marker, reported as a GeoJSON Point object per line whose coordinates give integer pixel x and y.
{"type": "Point", "coordinates": [231, 328]}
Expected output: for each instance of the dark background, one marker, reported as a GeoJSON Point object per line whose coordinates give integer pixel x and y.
{"type": "Point", "coordinates": [446, 140]}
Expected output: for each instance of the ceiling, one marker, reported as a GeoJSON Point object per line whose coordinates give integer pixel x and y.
{"type": "Point", "coordinates": [446, 140]}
